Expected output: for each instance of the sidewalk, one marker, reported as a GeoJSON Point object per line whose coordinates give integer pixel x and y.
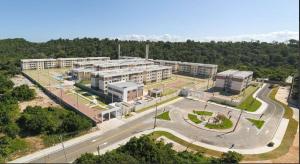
{"type": "Point", "coordinates": [138, 115]}
{"type": "Point", "coordinates": [259, 111]}
{"type": "Point", "coordinates": [104, 127]}
{"type": "Point", "coordinates": [277, 141]}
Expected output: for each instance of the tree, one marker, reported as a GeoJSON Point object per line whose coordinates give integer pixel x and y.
{"type": "Point", "coordinates": [5, 84]}
{"type": "Point", "coordinates": [87, 158]}
{"type": "Point", "coordinates": [12, 130]}
{"type": "Point", "coordinates": [75, 123]}
{"type": "Point", "coordinates": [23, 93]}
{"type": "Point", "coordinates": [146, 150]}
{"type": "Point", "coordinates": [231, 157]}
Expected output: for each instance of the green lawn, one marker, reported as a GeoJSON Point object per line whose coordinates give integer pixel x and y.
{"type": "Point", "coordinates": [158, 134]}
{"type": "Point", "coordinates": [250, 104]}
{"type": "Point", "coordinates": [278, 152]}
{"type": "Point", "coordinates": [257, 123]}
{"type": "Point", "coordinates": [164, 116]}
{"type": "Point", "coordinates": [288, 138]}
{"type": "Point", "coordinates": [194, 118]}
{"type": "Point", "coordinates": [203, 113]}
{"type": "Point", "coordinates": [226, 124]}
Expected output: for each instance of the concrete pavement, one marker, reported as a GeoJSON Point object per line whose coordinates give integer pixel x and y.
{"type": "Point", "coordinates": [244, 131]}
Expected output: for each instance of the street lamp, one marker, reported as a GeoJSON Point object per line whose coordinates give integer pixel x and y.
{"type": "Point", "coordinates": [98, 147]}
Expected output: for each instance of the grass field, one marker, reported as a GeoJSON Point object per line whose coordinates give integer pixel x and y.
{"type": "Point", "coordinates": [257, 123]}
{"type": "Point", "coordinates": [51, 77]}
{"type": "Point", "coordinates": [164, 116]}
{"type": "Point", "coordinates": [250, 104]}
{"type": "Point", "coordinates": [203, 113]}
{"type": "Point", "coordinates": [48, 76]}
{"type": "Point", "coordinates": [288, 138]}
{"type": "Point", "coordinates": [194, 118]}
{"type": "Point", "coordinates": [226, 124]}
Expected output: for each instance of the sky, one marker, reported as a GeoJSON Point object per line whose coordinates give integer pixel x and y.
{"type": "Point", "coordinates": [166, 20]}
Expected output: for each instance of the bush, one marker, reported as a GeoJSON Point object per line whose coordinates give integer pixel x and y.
{"type": "Point", "coordinates": [75, 123]}
{"type": "Point", "coordinates": [23, 93]}
{"type": "Point", "coordinates": [231, 157]}
{"type": "Point", "coordinates": [5, 84]}
{"type": "Point", "coordinates": [12, 130]}
{"type": "Point", "coordinates": [38, 120]}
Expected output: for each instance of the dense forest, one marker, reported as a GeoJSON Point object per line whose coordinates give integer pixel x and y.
{"type": "Point", "coordinates": [273, 60]}
{"type": "Point", "coordinates": [147, 150]}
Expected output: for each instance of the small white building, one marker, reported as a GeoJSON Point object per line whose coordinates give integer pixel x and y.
{"type": "Point", "coordinates": [233, 80]}
{"type": "Point", "coordinates": [125, 91]}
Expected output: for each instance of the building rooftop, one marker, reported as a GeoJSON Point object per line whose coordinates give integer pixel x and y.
{"type": "Point", "coordinates": [123, 85]}
{"type": "Point", "coordinates": [133, 70]}
{"type": "Point", "coordinates": [122, 62]}
{"type": "Point", "coordinates": [32, 60]}
{"type": "Point", "coordinates": [235, 73]}
{"type": "Point", "coordinates": [187, 63]}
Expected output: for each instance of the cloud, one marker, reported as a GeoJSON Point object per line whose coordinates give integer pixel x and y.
{"type": "Point", "coordinates": [279, 36]}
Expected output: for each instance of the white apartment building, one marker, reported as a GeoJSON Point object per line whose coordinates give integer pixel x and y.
{"type": "Point", "coordinates": [194, 69]}
{"type": "Point", "coordinates": [233, 80]}
{"type": "Point", "coordinates": [82, 70]}
{"type": "Point", "coordinates": [125, 91]}
{"type": "Point", "coordinates": [27, 64]}
{"type": "Point", "coordinates": [38, 64]}
{"type": "Point", "coordinates": [69, 62]}
{"type": "Point", "coordinates": [139, 75]}
{"type": "Point", "coordinates": [122, 63]}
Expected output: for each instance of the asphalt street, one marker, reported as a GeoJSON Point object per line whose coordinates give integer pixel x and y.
{"type": "Point", "coordinates": [245, 135]}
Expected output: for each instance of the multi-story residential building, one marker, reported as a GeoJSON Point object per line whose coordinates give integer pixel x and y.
{"type": "Point", "coordinates": [69, 62]}
{"type": "Point", "coordinates": [194, 69]}
{"type": "Point", "coordinates": [233, 80]}
{"type": "Point", "coordinates": [139, 75]}
{"type": "Point", "coordinates": [120, 64]}
{"type": "Point", "coordinates": [125, 91]}
{"type": "Point", "coordinates": [82, 70]}
{"type": "Point", "coordinates": [27, 64]}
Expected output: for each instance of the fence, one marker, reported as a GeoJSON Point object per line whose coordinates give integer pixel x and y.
{"type": "Point", "coordinates": [57, 99]}
{"type": "Point", "coordinates": [154, 101]}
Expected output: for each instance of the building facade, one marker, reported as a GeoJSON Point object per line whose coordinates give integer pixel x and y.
{"type": "Point", "coordinates": [28, 64]}
{"type": "Point", "coordinates": [125, 91]}
{"type": "Point", "coordinates": [194, 69]}
{"type": "Point", "coordinates": [139, 75]}
{"type": "Point", "coordinates": [233, 80]}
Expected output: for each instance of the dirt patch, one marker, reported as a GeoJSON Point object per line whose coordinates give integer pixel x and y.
{"type": "Point", "coordinates": [293, 155]}
{"type": "Point", "coordinates": [41, 98]}
{"type": "Point", "coordinates": [34, 144]}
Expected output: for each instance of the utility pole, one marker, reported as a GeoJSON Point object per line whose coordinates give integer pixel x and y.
{"type": "Point", "coordinates": [60, 137]}
{"type": "Point", "coordinates": [98, 149]}
{"type": "Point", "coordinates": [77, 99]}
{"type": "Point", "coordinates": [155, 116]}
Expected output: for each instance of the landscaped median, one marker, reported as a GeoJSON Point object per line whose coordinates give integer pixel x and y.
{"type": "Point", "coordinates": [164, 116]}
{"type": "Point", "coordinates": [203, 113]}
{"type": "Point", "coordinates": [225, 123]}
{"type": "Point", "coordinates": [257, 123]}
{"type": "Point", "coordinates": [288, 138]}
{"type": "Point", "coordinates": [279, 151]}
{"type": "Point", "coordinates": [194, 118]}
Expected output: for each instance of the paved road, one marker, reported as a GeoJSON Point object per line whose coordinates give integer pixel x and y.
{"type": "Point", "coordinates": [245, 135]}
